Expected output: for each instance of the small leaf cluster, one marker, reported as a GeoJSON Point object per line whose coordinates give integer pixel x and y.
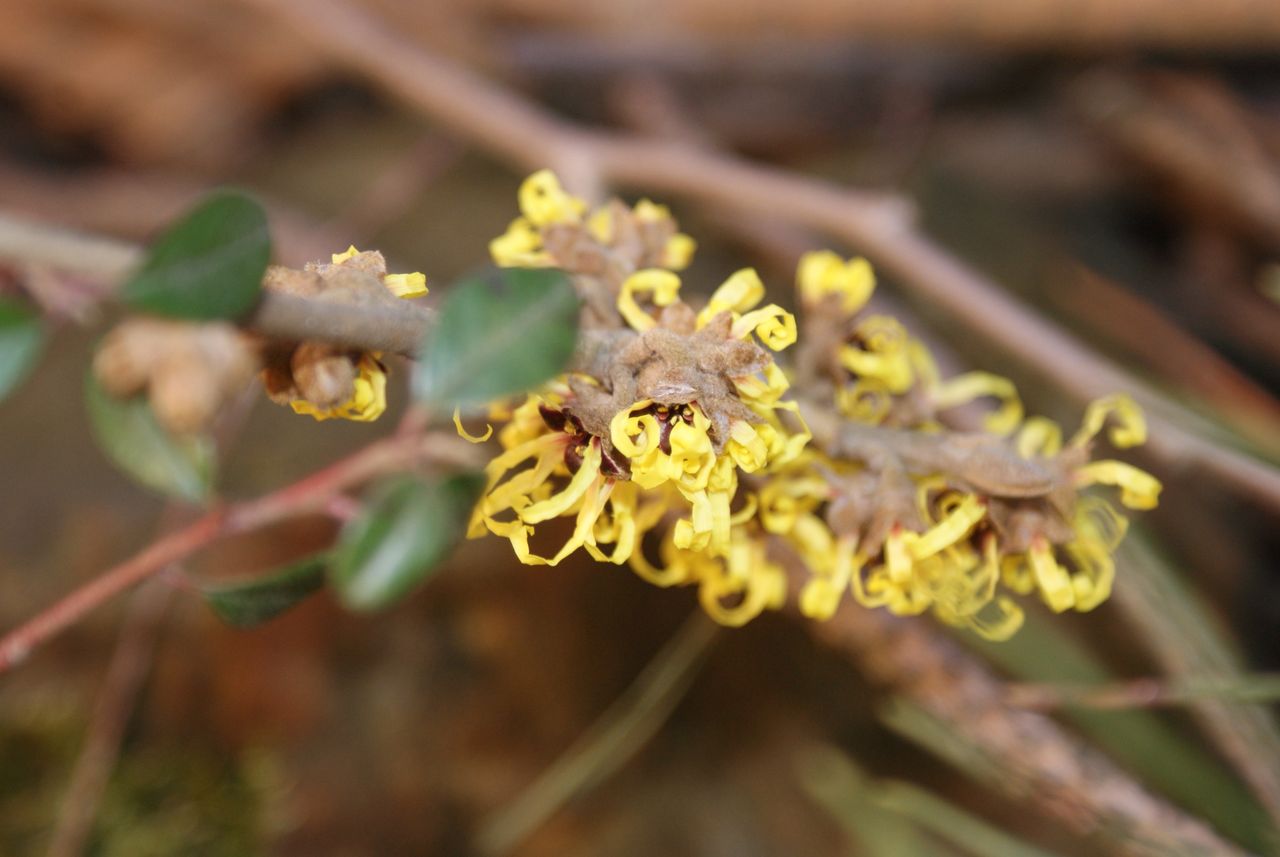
{"type": "Point", "coordinates": [497, 333]}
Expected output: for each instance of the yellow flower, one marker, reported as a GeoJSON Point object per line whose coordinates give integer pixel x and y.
{"type": "Point", "coordinates": [659, 286]}
{"type": "Point", "coordinates": [520, 247]}
{"type": "Point", "coordinates": [680, 248]}
{"type": "Point", "coordinates": [824, 273]}
{"type": "Point", "coordinates": [401, 285]}
{"type": "Point", "coordinates": [369, 392]}
{"type": "Point", "coordinates": [1078, 573]}
{"type": "Point", "coordinates": [886, 355]}
{"type": "Point", "coordinates": [544, 202]}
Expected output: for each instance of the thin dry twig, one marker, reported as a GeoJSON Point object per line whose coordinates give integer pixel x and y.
{"type": "Point", "coordinates": [129, 665]}
{"type": "Point", "coordinates": [1179, 633]}
{"type": "Point", "coordinates": [1029, 24]}
{"type": "Point", "coordinates": [609, 742]}
{"type": "Point", "coordinates": [1145, 692]}
{"type": "Point", "coordinates": [397, 329]}
{"type": "Point", "coordinates": [1038, 761]}
{"type": "Point", "coordinates": [527, 135]}
{"type": "Point", "coordinates": [309, 495]}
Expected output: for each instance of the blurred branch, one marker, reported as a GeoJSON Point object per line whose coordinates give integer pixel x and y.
{"type": "Point", "coordinates": [859, 802]}
{"type": "Point", "coordinates": [1193, 138]}
{"type": "Point", "coordinates": [135, 203]}
{"type": "Point", "coordinates": [397, 329]}
{"type": "Point", "coordinates": [526, 135]}
{"type": "Point", "coordinates": [390, 193]}
{"type": "Point", "coordinates": [130, 663]}
{"type": "Point", "coordinates": [127, 671]}
{"type": "Point", "coordinates": [1146, 692]}
{"type": "Point", "coordinates": [1021, 753]}
{"type": "Point", "coordinates": [1183, 360]}
{"type": "Point", "coordinates": [1029, 24]}
{"type": "Point", "coordinates": [309, 495]}
{"type": "Point", "coordinates": [614, 738]}
{"type": "Point", "coordinates": [1184, 638]}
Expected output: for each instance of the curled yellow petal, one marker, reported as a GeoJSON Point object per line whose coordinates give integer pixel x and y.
{"type": "Point", "coordinates": [823, 273]}
{"type": "Point", "coordinates": [952, 528]}
{"type": "Point", "coordinates": [558, 504]}
{"type": "Point", "coordinates": [887, 355]}
{"type": "Point", "coordinates": [1039, 437]}
{"type": "Point", "coordinates": [1138, 488]}
{"type": "Point", "coordinates": [662, 288]}
{"type": "Point", "coordinates": [1096, 520]}
{"type": "Point", "coordinates": [866, 400]}
{"type": "Point", "coordinates": [349, 253]}
{"type": "Point", "coordinates": [679, 251]}
{"type": "Point", "coordinates": [543, 201]}
{"type": "Point", "coordinates": [1129, 426]}
{"type": "Point", "coordinates": [739, 293]}
{"type": "Point", "coordinates": [747, 448]}
{"type": "Point", "coordinates": [1054, 583]}
{"type": "Point", "coordinates": [406, 285]}
{"type": "Point", "coordinates": [634, 435]}
{"type": "Point", "coordinates": [897, 556]}
{"type": "Point", "coordinates": [520, 247]}
{"type": "Point", "coordinates": [972, 385]}
{"type": "Point", "coordinates": [600, 225]}
{"type": "Point", "coordinates": [462, 432]}
{"type": "Point", "coordinates": [1095, 573]}
{"type": "Point", "coordinates": [775, 326]}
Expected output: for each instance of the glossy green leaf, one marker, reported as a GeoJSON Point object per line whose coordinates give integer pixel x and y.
{"type": "Point", "coordinates": [128, 433]}
{"type": "Point", "coordinates": [254, 601]}
{"type": "Point", "coordinates": [498, 335]}
{"type": "Point", "coordinates": [21, 338]}
{"type": "Point", "coordinates": [208, 265]}
{"type": "Point", "coordinates": [407, 528]}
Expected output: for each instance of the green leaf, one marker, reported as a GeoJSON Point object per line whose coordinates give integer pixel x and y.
{"type": "Point", "coordinates": [21, 338]}
{"type": "Point", "coordinates": [128, 433]}
{"type": "Point", "coordinates": [252, 602]}
{"type": "Point", "coordinates": [208, 265]}
{"type": "Point", "coordinates": [498, 335]}
{"type": "Point", "coordinates": [399, 538]}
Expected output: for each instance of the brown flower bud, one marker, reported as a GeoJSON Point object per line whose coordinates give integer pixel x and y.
{"type": "Point", "coordinates": [324, 375]}
{"type": "Point", "coordinates": [190, 370]}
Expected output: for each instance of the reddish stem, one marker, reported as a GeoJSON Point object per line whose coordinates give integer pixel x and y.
{"type": "Point", "coordinates": [308, 495]}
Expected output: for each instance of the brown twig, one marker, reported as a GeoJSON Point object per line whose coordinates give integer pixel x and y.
{"type": "Point", "coordinates": [129, 665]}
{"type": "Point", "coordinates": [397, 329]}
{"type": "Point", "coordinates": [525, 134]}
{"type": "Point", "coordinates": [307, 496]}
{"type": "Point", "coordinates": [1178, 631]}
{"type": "Point", "coordinates": [1193, 139]}
{"type": "Point", "coordinates": [396, 188]}
{"type": "Point", "coordinates": [1145, 692]}
{"type": "Point", "coordinates": [617, 735]}
{"type": "Point", "coordinates": [1030, 24]}
{"type": "Point", "coordinates": [1038, 761]}
{"type": "Point", "coordinates": [1166, 348]}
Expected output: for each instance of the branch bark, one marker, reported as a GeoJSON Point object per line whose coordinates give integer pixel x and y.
{"type": "Point", "coordinates": [1038, 761]}
{"type": "Point", "coordinates": [528, 136]}
{"type": "Point", "coordinates": [279, 316]}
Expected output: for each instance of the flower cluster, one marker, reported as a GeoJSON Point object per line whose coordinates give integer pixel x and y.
{"type": "Point", "coordinates": [913, 517]}
{"type": "Point", "coordinates": [677, 446]}
{"type": "Point", "coordinates": [329, 382]}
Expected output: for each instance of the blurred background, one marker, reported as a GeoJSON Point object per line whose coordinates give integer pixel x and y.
{"type": "Point", "coordinates": [1114, 165]}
